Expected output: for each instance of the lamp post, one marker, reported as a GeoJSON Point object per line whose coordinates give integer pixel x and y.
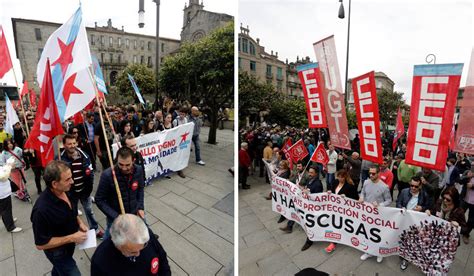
{"type": "Point", "coordinates": [341, 16]}
{"type": "Point", "coordinates": [141, 24]}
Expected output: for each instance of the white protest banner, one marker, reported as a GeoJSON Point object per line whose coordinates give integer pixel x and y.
{"type": "Point", "coordinates": [164, 152]}
{"type": "Point", "coordinates": [379, 231]}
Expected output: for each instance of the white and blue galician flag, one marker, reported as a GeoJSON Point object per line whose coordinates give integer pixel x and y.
{"type": "Point", "coordinates": [68, 50]}
{"type": "Point", "coordinates": [99, 77]}
{"type": "Point", "coordinates": [137, 91]}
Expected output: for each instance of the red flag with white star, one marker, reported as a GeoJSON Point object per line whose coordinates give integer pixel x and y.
{"type": "Point", "coordinates": [47, 123]}
{"type": "Point", "coordinates": [5, 60]}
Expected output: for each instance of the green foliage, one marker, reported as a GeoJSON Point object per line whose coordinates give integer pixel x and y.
{"type": "Point", "coordinates": [388, 106]}
{"type": "Point", "coordinates": [351, 119]}
{"type": "Point", "coordinates": [290, 112]}
{"type": "Point", "coordinates": [255, 96]}
{"type": "Point", "coordinates": [203, 72]}
{"type": "Point", "coordinates": [143, 76]}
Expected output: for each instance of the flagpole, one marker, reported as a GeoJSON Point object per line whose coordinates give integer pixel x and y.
{"type": "Point", "coordinates": [111, 124]}
{"type": "Point", "coordinates": [117, 188]}
{"type": "Point", "coordinates": [21, 103]}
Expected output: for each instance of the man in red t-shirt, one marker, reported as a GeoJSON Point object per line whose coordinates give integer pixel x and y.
{"type": "Point", "coordinates": [385, 174]}
{"type": "Point", "coordinates": [244, 164]}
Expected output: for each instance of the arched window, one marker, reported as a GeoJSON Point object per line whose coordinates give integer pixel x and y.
{"type": "Point", "coordinates": [251, 48]}
{"type": "Point", "coordinates": [113, 77]}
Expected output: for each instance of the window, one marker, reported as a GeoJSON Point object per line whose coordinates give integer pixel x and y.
{"type": "Point", "coordinates": [102, 40]}
{"type": "Point", "coordinates": [252, 48]}
{"type": "Point", "coordinates": [119, 40]}
{"type": "Point", "coordinates": [119, 58]}
{"type": "Point", "coordinates": [111, 58]}
{"type": "Point", "coordinates": [253, 66]}
{"type": "Point", "coordinates": [161, 60]}
{"type": "Point", "coordinates": [240, 63]}
{"type": "Point", "coordinates": [127, 43]}
{"type": "Point", "coordinates": [149, 62]}
{"type": "Point", "coordinates": [102, 57]}
{"type": "Point", "coordinates": [135, 44]}
{"type": "Point", "coordinates": [245, 45]}
{"type": "Point", "coordinates": [239, 43]}
{"type": "Point", "coordinates": [269, 70]}
{"type": "Point", "coordinates": [379, 84]}
{"type": "Point", "coordinates": [279, 73]}
{"type": "Point", "coordinates": [149, 45]}
{"type": "Point", "coordinates": [142, 45]}
{"type": "Point", "coordinates": [92, 39]}
{"type": "Point", "coordinates": [40, 51]}
{"type": "Point", "coordinates": [111, 41]}
{"type": "Point", "coordinates": [162, 47]}
{"type": "Point", "coordinates": [38, 33]}
{"type": "Point", "coordinates": [142, 59]}
{"type": "Point", "coordinates": [134, 59]}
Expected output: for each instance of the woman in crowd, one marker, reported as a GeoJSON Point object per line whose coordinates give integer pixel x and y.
{"type": "Point", "coordinates": [167, 124]}
{"type": "Point", "coordinates": [17, 172]}
{"type": "Point", "coordinates": [5, 198]}
{"type": "Point", "coordinates": [149, 127]}
{"type": "Point", "coordinates": [126, 129]}
{"type": "Point", "coordinates": [283, 172]}
{"type": "Point", "coordinates": [343, 186]}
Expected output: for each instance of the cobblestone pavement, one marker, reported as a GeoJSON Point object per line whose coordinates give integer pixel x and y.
{"type": "Point", "coordinates": [193, 217]}
{"type": "Point", "coordinates": [266, 250]}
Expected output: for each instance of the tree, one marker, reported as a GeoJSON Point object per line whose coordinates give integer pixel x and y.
{"type": "Point", "coordinates": [143, 76]}
{"type": "Point", "coordinates": [351, 119]}
{"type": "Point", "coordinates": [203, 73]}
{"type": "Point", "coordinates": [291, 112]}
{"type": "Point", "coordinates": [389, 102]}
{"type": "Point", "coordinates": [255, 96]}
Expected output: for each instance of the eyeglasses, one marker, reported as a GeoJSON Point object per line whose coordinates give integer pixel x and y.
{"type": "Point", "coordinates": [447, 199]}
{"type": "Point", "coordinates": [75, 132]}
{"type": "Point", "coordinates": [373, 173]}
{"type": "Point", "coordinates": [415, 186]}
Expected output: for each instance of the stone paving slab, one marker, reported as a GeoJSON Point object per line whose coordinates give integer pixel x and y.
{"type": "Point", "coordinates": [167, 203]}
{"type": "Point", "coordinates": [266, 250]}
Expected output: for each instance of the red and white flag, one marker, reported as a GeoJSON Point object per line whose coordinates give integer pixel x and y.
{"type": "Point", "coordinates": [287, 145]}
{"type": "Point", "coordinates": [435, 89]}
{"type": "Point", "coordinates": [310, 78]}
{"type": "Point", "coordinates": [320, 155]}
{"type": "Point", "coordinates": [368, 122]}
{"type": "Point", "coordinates": [399, 129]}
{"type": "Point", "coordinates": [32, 98]}
{"type": "Point", "coordinates": [465, 133]}
{"type": "Point", "coordinates": [5, 60]}
{"type": "Point", "coordinates": [333, 95]}
{"type": "Point", "coordinates": [298, 151]}
{"type": "Point", "coordinates": [47, 124]}
{"type": "Point", "coordinates": [24, 89]}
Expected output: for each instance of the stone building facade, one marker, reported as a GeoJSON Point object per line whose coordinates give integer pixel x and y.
{"type": "Point", "coordinates": [382, 82]}
{"type": "Point", "coordinates": [266, 67]}
{"type": "Point", "coordinates": [113, 47]}
{"type": "Point", "coordinates": [198, 22]}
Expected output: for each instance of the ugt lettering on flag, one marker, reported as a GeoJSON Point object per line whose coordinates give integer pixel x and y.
{"type": "Point", "coordinates": [137, 91]}
{"type": "Point", "coordinates": [435, 88]}
{"type": "Point", "coordinates": [68, 50]}
{"type": "Point", "coordinates": [310, 79]}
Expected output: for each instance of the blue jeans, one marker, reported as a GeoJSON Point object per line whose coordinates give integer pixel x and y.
{"type": "Point", "coordinates": [87, 204]}
{"type": "Point", "coordinates": [329, 180]}
{"type": "Point", "coordinates": [197, 147]}
{"type": "Point", "coordinates": [63, 263]}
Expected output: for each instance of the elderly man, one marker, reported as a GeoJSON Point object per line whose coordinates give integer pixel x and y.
{"type": "Point", "coordinates": [56, 226]}
{"type": "Point", "coordinates": [197, 130]}
{"type": "Point", "coordinates": [132, 250]}
{"type": "Point", "coordinates": [354, 165]}
{"type": "Point", "coordinates": [158, 119]}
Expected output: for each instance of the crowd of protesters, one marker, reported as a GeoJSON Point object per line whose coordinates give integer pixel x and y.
{"type": "Point", "coordinates": [447, 194]}
{"type": "Point", "coordinates": [69, 180]}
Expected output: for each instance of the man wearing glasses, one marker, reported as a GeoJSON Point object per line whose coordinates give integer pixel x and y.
{"type": "Point", "coordinates": [132, 249]}
{"type": "Point", "coordinates": [414, 198]}
{"type": "Point", "coordinates": [376, 192]}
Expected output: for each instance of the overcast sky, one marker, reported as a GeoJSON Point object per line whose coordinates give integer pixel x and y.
{"type": "Point", "coordinates": [389, 36]}
{"type": "Point", "coordinates": [122, 12]}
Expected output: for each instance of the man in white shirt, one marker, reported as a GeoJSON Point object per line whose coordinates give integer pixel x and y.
{"type": "Point", "coordinates": [331, 166]}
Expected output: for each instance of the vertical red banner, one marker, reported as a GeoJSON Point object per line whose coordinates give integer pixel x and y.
{"type": "Point", "coordinates": [434, 92]}
{"type": "Point", "coordinates": [310, 79]}
{"type": "Point", "coordinates": [368, 122]}
{"type": "Point", "coordinates": [464, 141]}
{"type": "Point", "coordinates": [333, 95]}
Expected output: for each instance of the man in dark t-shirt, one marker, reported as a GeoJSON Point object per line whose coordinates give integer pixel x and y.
{"type": "Point", "coordinates": [99, 141]}
{"type": "Point", "coordinates": [132, 249]}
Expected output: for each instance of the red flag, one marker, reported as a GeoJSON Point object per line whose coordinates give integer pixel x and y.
{"type": "Point", "coordinates": [298, 151]}
{"type": "Point", "coordinates": [287, 145]}
{"type": "Point", "coordinates": [435, 88]}
{"type": "Point", "coordinates": [5, 60]}
{"type": "Point", "coordinates": [399, 130]}
{"type": "Point", "coordinates": [24, 89]}
{"type": "Point", "coordinates": [47, 123]}
{"type": "Point", "coordinates": [78, 118]}
{"type": "Point", "coordinates": [367, 111]}
{"type": "Point", "coordinates": [32, 97]}
{"type": "Point", "coordinates": [320, 155]}
{"type": "Point", "coordinates": [310, 79]}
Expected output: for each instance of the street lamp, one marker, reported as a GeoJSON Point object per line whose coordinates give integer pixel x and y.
{"type": "Point", "coordinates": [141, 24]}
{"type": "Point", "coordinates": [341, 16]}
